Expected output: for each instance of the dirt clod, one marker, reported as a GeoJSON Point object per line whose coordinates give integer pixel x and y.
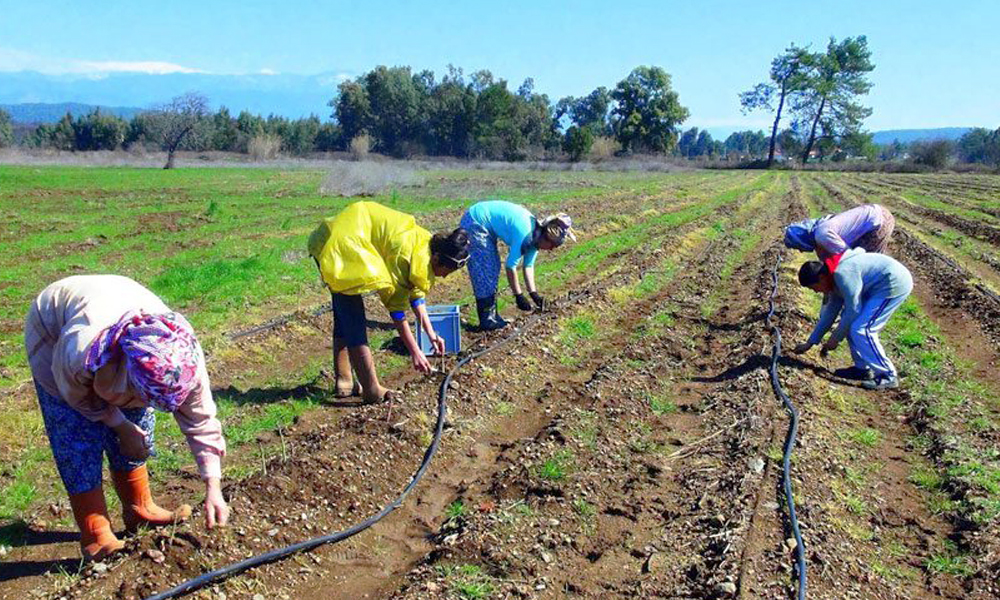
{"type": "Point", "coordinates": [656, 563]}
{"type": "Point", "coordinates": [155, 555]}
{"type": "Point", "coordinates": [727, 588]}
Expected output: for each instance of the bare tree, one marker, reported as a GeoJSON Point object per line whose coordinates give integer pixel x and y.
{"type": "Point", "coordinates": [788, 77]}
{"type": "Point", "coordinates": [177, 120]}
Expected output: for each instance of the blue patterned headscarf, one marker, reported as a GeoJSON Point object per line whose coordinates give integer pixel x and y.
{"type": "Point", "coordinates": [800, 235]}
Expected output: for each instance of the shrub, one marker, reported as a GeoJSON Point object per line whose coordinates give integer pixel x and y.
{"type": "Point", "coordinates": [6, 129]}
{"type": "Point", "coordinates": [361, 145]}
{"type": "Point", "coordinates": [578, 142]}
{"type": "Point", "coordinates": [97, 131]}
{"type": "Point", "coordinates": [604, 147]}
{"type": "Point", "coordinates": [934, 154]}
{"type": "Point", "coordinates": [264, 146]}
{"type": "Point", "coordinates": [366, 178]}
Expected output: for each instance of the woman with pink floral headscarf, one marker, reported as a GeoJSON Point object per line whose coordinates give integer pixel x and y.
{"type": "Point", "coordinates": [104, 352]}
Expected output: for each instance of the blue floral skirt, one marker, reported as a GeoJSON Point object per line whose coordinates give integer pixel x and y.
{"type": "Point", "coordinates": [484, 258]}
{"type": "Point", "coordinates": [79, 444]}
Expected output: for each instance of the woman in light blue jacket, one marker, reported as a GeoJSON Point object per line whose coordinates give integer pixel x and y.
{"type": "Point", "coordinates": [493, 221]}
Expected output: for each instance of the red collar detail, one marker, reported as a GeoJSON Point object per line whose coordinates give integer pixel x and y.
{"type": "Point", "coordinates": [832, 262]}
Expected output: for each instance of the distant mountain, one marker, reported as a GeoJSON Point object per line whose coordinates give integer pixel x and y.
{"type": "Point", "coordinates": [50, 113]}
{"type": "Point", "coordinates": [905, 136]}
{"type": "Point", "coordinates": [292, 96]}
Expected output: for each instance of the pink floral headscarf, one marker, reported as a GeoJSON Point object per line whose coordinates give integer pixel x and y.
{"type": "Point", "coordinates": [161, 356]}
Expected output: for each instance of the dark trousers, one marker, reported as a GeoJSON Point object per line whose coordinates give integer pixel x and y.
{"type": "Point", "coordinates": [349, 320]}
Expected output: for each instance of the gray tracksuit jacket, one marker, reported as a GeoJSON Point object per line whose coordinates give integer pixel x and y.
{"type": "Point", "coordinates": [861, 277]}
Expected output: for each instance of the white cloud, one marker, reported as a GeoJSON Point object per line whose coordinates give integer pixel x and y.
{"type": "Point", "coordinates": [333, 79]}
{"type": "Point", "coordinates": [115, 66]}
{"type": "Point", "coordinates": [17, 60]}
{"type": "Point", "coordinates": [266, 71]}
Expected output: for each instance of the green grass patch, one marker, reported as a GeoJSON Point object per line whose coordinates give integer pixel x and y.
{"type": "Point", "coordinates": [16, 498]}
{"type": "Point", "coordinates": [272, 418]}
{"type": "Point", "coordinates": [584, 509]}
{"type": "Point", "coordinates": [950, 561]}
{"type": "Point", "coordinates": [656, 324]}
{"type": "Point", "coordinates": [556, 467]}
{"type": "Point", "coordinates": [654, 280]}
{"type": "Point", "coordinates": [18, 495]}
{"type": "Point", "coordinates": [581, 327]}
{"type": "Point", "coordinates": [586, 256]}
{"type": "Point", "coordinates": [455, 510]}
{"type": "Point", "coordinates": [864, 436]}
{"type": "Point", "coordinates": [574, 334]}
{"type": "Point", "coordinates": [949, 208]}
{"type": "Point", "coordinates": [942, 387]}
{"type": "Point", "coordinates": [661, 406]}
{"type": "Point", "coordinates": [467, 581]}
{"type": "Point", "coordinates": [504, 408]}
{"type": "Point", "coordinates": [926, 478]}
{"type": "Point", "coordinates": [642, 441]}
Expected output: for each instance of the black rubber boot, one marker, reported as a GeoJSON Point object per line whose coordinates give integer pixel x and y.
{"type": "Point", "coordinates": [853, 373]}
{"type": "Point", "coordinates": [489, 319]}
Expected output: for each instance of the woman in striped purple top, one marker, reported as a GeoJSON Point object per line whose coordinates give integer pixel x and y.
{"type": "Point", "coordinates": [868, 226]}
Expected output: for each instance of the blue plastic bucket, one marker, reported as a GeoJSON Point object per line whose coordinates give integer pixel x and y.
{"type": "Point", "coordinates": [447, 323]}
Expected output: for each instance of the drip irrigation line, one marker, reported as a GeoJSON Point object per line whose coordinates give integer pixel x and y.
{"type": "Point", "coordinates": [332, 538]}
{"type": "Point", "coordinates": [793, 426]}
{"type": "Point", "coordinates": [278, 322]}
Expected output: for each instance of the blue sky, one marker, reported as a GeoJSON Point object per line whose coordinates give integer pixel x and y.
{"type": "Point", "coordinates": [938, 63]}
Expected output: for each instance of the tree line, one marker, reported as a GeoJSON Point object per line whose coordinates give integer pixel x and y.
{"type": "Point", "coordinates": [479, 116]}
{"type": "Point", "coordinates": [978, 146]}
{"type": "Point", "coordinates": [403, 113]}
{"type": "Point", "coordinates": [183, 123]}
{"type": "Point", "coordinates": [223, 132]}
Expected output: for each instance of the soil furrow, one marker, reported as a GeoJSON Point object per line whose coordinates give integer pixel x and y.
{"type": "Point", "coordinates": [966, 324]}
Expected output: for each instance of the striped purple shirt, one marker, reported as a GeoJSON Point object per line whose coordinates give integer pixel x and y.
{"type": "Point", "coordinates": [836, 234]}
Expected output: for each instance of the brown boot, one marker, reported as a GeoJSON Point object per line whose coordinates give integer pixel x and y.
{"type": "Point", "coordinates": [97, 541]}
{"type": "Point", "coordinates": [364, 365]}
{"type": "Point", "coordinates": [346, 385]}
{"type": "Point", "coordinates": [138, 508]}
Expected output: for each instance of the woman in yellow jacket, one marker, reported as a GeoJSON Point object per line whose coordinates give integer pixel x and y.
{"type": "Point", "coordinates": [371, 248]}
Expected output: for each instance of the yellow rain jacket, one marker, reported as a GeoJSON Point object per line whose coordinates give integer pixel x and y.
{"type": "Point", "coordinates": [368, 248]}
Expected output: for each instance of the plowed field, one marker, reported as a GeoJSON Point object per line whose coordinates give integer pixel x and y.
{"type": "Point", "coordinates": [626, 445]}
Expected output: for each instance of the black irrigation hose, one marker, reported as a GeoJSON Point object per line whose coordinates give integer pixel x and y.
{"type": "Point", "coordinates": [280, 553]}
{"type": "Point", "coordinates": [793, 426]}
{"type": "Point", "coordinates": [278, 322]}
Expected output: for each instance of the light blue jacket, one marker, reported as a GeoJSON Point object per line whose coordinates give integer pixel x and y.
{"type": "Point", "coordinates": [859, 277]}
{"type": "Point", "coordinates": [513, 224]}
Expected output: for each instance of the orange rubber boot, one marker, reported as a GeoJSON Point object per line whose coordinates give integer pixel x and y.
{"type": "Point", "coordinates": [97, 541]}
{"type": "Point", "coordinates": [138, 508]}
